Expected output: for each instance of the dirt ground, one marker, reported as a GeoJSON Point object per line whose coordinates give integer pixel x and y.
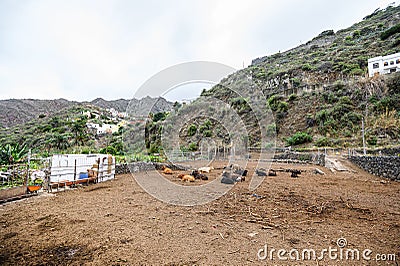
{"type": "Point", "coordinates": [117, 223]}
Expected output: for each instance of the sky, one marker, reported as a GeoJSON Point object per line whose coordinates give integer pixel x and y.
{"type": "Point", "coordinates": [81, 50]}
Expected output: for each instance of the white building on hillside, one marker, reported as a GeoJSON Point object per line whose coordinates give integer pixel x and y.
{"type": "Point", "coordinates": [384, 64]}
{"type": "Point", "coordinates": [104, 129]}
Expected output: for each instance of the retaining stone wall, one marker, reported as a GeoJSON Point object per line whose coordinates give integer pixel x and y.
{"type": "Point", "coordinates": [383, 166]}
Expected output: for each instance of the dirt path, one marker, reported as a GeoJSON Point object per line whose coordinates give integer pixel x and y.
{"type": "Point", "coordinates": [117, 223]}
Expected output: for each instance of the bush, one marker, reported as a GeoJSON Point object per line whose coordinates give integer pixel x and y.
{"type": "Point", "coordinates": [306, 67]}
{"type": "Point", "coordinates": [192, 130]}
{"type": "Point", "coordinates": [389, 32]}
{"type": "Point", "coordinates": [283, 106]}
{"type": "Point", "coordinates": [160, 116]}
{"type": "Point", "coordinates": [295, 81]}
{"type": "Point", "coordinates": [372, 140]}
{"type": "Point", "coordinates": [357, 72]}
{"type": "Point", "coordinates": [154, 148]}
{"type": "Point", "coordinates": [207, 133]}
{"type": "Point", "coordinates": [276, 105]}
{"type": "Point", "coordinates": [323, 142]}
{"type": "Point", "coordinates": [269, 145]}
{"type": "Point", "coordinates": [271, 130]}
{"type": "Point", "coordinates": [298, 138]}
{"type": "Point", "coordinates": [356, 34]}
{"type": "Point", "coordinates": [322, 116]}
{"type": "Point", "coordinates": [272, 102]}
{"type": "Point", "coordinates": [206, 126]}
{"type": "Point", "coordinates": [292, 97]}
{"type": "Point", "coordinates": [352, 117]}
{"type": "Point", "coordinates": [193, 146]}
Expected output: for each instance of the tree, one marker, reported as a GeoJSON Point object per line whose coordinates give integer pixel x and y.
{"type": "Point", "coordinates": [60, 141]}
{"type": "Point", "coordinates": [80, 130]}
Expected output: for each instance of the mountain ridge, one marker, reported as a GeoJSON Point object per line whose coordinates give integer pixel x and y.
{"type": "Point", "coordinates": [18, 111]}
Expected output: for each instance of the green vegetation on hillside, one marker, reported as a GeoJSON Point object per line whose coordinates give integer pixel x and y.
{"type": "Point", "coordinates": [321, 88]}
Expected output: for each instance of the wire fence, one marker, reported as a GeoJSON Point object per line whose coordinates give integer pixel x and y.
{"type": "Point", "coordinates": [71, 170]}
{"type": "Point", "coordinates": [60, 171]}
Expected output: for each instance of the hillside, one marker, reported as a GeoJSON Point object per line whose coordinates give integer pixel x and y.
{"type": "Point", "coordinates": [321, 90]}
{"type": "Point", "coordinates": [19, 111]}
{"type": "Point", "coordinates": [61, 126]}
{"type": "Point", "coordinates": [16, 111]}
{"type": "Point", "coordinates": [319, 93]}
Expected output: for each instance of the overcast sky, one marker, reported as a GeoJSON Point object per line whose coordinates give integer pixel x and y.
{"type": "Point", "coordinates": [81, 50]}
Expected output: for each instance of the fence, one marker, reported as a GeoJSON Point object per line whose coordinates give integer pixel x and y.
{"type": "Point", "coordinates": [59, 171]}
{"type": "Point", "coordinates": [72, 169]}
{"type": "Point", "coordinates": [219, 154]}
{"type": "Point", "coordinates": [16, 179]}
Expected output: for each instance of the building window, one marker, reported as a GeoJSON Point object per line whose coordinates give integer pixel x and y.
{"type": "Point", "coordinates": [375, 65]}
{"type": "Point", "coordinates": [385, 64]}
{"type": "Point", "coordinates": [398, 61]}
{"type": "Point", "coordinates": [392, 62]}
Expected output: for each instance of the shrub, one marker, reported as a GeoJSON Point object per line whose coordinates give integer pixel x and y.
{"type": "Point", "coordinates": [184, 148]}
{"type": "Point", "coordinates": [160, 116]}
{"type": "Point", "coordinates": [239, 101]}
{"type": "Point", "coordinates": [345, 100]}
{"type": "Point", "coordinates": [389, 32]}
{"type": "Point", "coordinates": [193, 147]}
{"type": "Point", "coordinates": [292, 97]}
{"type": "Point", "coordinates": [283, 106]}
{"type": "Point", "coordinates": [295, 81]}
{"type": "Point", "coordinates": [206, 126]}
{"type": "Point", "coordinates": [154, 148]}
{"type": "Point", "coordinates": [356, 34]}
{"type": "Point", "coordinates": [323, 142]}
{"type": "Point", "coordinates": [269, 145]}
{"type": "Point", "coordinates": [322, 116]}
{"type": "Point", "coordinates": [306, 67]}
{"type": "Point", "coordinates": [299, 138]}
{"type": "Point", "coordinates": [357, 72]}
{"type": "Point", "coordinates": [271, 130]}
{"type": "Point", "coordinates": [372, 140]}
{"type": "Point", "coordinates": [352, 117]}
{"type": "Point", "coordinates": [272, 102]}
{"type": "Point", "coordinates": [192, 130]}
{"type": "Point", "coordinates": [276, 105]}
{"type": "Point", "coordinates": [207, 133]}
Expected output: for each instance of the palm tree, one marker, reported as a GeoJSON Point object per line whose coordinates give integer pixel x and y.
{"type": "Point", "coordinates": [60, 141]}
{"type": "Point", "coordinates": [79, 129]}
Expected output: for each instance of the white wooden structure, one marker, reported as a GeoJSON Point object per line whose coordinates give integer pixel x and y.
{"type": "Point", "coordinates": [384, 64]}
{"type": "Point", "coordinates": [73, 167]}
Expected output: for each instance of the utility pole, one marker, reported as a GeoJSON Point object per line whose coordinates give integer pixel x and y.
{"type": "Point", "coordinates": [363, 135]}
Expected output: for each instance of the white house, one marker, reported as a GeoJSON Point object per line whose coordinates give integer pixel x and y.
{"type": "Point", "coordinates": [103, 129]}
{"type": "Point", "coordinates": [384, 64]}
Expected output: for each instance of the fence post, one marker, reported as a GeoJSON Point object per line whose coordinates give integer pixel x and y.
{"type": "Point", "coordinates": [75, 172]}
{"type": "Point", "coordinates": [98, 170]}
{"type": "Point", "coordinates": [27, 178]}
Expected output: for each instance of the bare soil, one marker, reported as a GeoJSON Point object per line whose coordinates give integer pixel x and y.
{"type": "Point", "coordinates": [117, 223]}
